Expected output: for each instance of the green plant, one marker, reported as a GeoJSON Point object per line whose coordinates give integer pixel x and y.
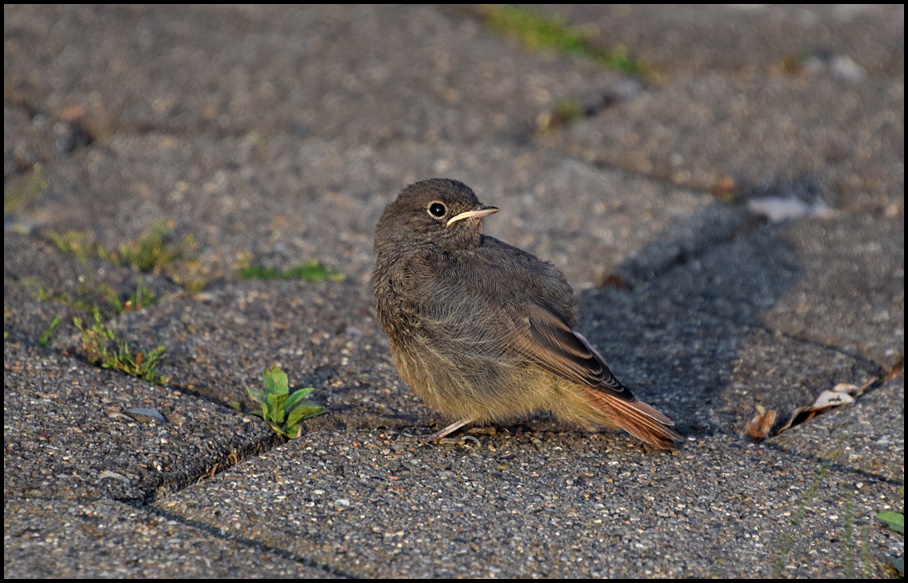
{"type": "Point", "coordinates": [95, 295]}
{"type": "Point", "coordinates": [80, 244]}
{"type": "Point", "coordinates": [141, 298]}
{"type": "Point", "coordinates": [281, 410]}
{"type": "Point", "coordinates": [154, 251]}
{"type": "Point", "coordinates": [45, 338]}
{"type": "Point", "coordinates": [157, 252]}
{"type": "Point", "coordinates": [309, 271]}
{"type": "Point", "coordinates": [538, 31]}
{"type": "Point", "coordinates": [101, 345]}
{"type": "Point", "coordinates": [42, 295]}
{"type": "Point", "coordinates": [896, 521]}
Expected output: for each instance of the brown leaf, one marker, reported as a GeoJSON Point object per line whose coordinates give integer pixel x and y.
{"type": "Point", "coordinates": [758, 428]}
{"type": "Point", "coordinates": [896, 370]}
{"type": "Point", "coordinates": [841, 394]}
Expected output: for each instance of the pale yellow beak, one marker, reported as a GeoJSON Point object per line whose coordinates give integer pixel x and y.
{"type": "Point", "coordinates": [477, 214]}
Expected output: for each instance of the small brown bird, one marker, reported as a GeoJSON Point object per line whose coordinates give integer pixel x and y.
{"type": "Point", "coordinates": [483, 331]}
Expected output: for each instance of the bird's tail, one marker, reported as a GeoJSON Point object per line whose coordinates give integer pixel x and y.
{"type": "Point", "coordinates": [635, 417]}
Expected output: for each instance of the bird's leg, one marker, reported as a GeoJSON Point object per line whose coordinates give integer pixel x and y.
{"type": "Point", "coordinates": [440, 436]}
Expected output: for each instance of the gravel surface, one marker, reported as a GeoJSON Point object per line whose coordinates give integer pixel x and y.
{"type": "Point", "coordinates": [732, 220]}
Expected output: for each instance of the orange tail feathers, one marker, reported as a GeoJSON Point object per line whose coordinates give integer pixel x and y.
{"type": "Point", "coordinates": [637, 418]}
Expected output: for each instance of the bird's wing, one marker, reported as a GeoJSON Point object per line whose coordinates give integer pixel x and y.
{"type": "Point", "coordinates": [549, 342]}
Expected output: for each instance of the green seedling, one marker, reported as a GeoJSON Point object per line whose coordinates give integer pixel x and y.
{"type": "Point", "coordinates": [101, 346]}
{"type": "Point", "coordinates": [896, 521]}
{"type": "Point", "coordinates": [281, 410]}
{"type": "Point", "coordinates": [45, 338]}
{"type": "Point", "coordinates": [310, 271]}
{"type": "Point", "coordinates": [538, 31]}
{"type": "Point", "coordinates": [42, 295]}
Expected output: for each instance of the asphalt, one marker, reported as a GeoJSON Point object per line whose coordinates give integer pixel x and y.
{"type": "Point", "coordinates": [731, 216]}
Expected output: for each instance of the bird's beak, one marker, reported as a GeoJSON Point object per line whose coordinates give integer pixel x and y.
{"type": "Point", "coordinates": [483, 211]}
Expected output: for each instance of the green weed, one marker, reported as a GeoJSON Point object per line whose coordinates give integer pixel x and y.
{"type": "Point", "coordinates": [80, 244]}
{"type": "Point", "coordinates": [42, 295]}
{"type": "Point", "coordinates": [310, 271]}
{"type": "Point", "coordinates": [45, 338]}
{"type": "Point", "coordinates": [896, 521]}
{"type": "Point", "coordinates": [157, 252]}
{"type": "Point", "coordinates": [281, 410]}
{"type": "Point", "coordinates": [141, 298]}
{"type": "Point", "coordinates": [537, 31]}
{"type": "Point", "coordinates": [102, 346]}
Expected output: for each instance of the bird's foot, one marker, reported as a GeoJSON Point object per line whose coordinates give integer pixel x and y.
{"type": "Point", "coordinates": [441, 436]}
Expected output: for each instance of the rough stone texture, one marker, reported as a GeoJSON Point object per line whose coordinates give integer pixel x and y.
{"type": "Point", "coordinates": [272, 136]}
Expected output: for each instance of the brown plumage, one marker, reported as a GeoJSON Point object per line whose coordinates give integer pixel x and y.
{"type": "Point", "coordinates": [483, 331]}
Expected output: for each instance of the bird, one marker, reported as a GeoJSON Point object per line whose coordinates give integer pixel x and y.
{"type": "Point", "coordinates": [485, 332]}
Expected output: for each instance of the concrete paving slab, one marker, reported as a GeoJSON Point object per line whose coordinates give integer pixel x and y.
{"type": "Point", "coordinates": [105, 538]}
{"type": "Point", "coordinates": [343, 72]}
{"type": "Point", "coordinates": [276, 135]}
{"type": "Point", "coordinates": [549, 505]}
{"type": "Point", "coordinates": [31, 138]}
{"type": "Point", "coordinates": [322, 335]}
{"type": "Point", "coordinates": [43, 283]}
{"type": "Point", "coordinates": [310, 199]}
{"type": "Point", "coordinates": [707, 372]}
{"type": "Point", "coordinates": [745, 39]}
{"type": "Point", "coordinates": [818, 138]}
{"type": "Point", "coordinates": [866, 435]}
{"type": "Point", "coordinates": [75, 431]}
{"type": "Point", "coordinates": [837, 282]}
{"type": "Point", "coordinates": [855, 268]}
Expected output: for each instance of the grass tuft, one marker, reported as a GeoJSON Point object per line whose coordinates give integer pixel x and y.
{"type": "Point", "coordinates": [537, 31]}
{"type": "Point", "coordinates": [311, 271]}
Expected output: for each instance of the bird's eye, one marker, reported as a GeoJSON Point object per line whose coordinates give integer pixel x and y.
{"type": "Point", "coordinates": [437, 210]}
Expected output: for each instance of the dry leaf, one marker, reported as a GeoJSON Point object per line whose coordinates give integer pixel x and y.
{"type": "Point", "coordinates": [758, 428]}
{"type": "Point", "coordinates": [896, 370]}
{"type": "Point", "coordinates": [841, 394]}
